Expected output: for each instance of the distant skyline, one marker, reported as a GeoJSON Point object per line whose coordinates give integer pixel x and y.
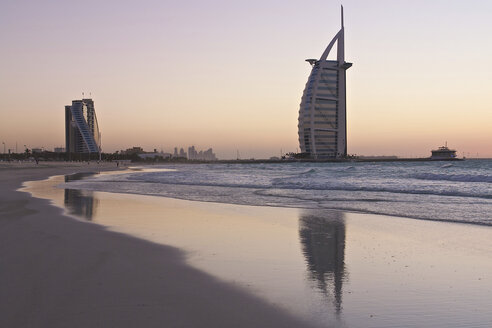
{"type": "Point", "coordinates": [230, 75]}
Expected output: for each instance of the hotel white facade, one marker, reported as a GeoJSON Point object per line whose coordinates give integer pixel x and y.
{"type": "Point", "coordinates": [323, 112]}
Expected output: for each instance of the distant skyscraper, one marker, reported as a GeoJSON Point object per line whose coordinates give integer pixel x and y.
{"type": "Point", "coordinates": [192, 153]}
{"type": "Point", "coordinates": [81, 128]}
{"type": "Point", "coordinates": [207, 155]}
{"type": "Point", "coordinates": [323, 113]}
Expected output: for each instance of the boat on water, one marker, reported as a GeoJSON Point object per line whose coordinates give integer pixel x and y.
{"type": "Point", "coordinates": [443, 153]}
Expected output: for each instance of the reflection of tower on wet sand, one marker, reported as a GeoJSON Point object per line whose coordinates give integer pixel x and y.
{"type": "Point", "coordinates": [80, 202]}
{"type": "Point", "coordinates": [322, 236]}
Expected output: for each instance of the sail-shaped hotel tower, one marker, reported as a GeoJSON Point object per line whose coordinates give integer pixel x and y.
{"type": "Point", "coordinates": [323, 113]}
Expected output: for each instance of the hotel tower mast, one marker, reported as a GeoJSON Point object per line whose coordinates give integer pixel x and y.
{"type": "Point", "coordinates": [323, 111]}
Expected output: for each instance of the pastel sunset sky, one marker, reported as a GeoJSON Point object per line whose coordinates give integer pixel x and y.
{"type": "Point", "coordinates": [230, 74]}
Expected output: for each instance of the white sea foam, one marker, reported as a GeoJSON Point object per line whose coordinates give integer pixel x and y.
{"type": "Point", "coordinates": [455, 177]}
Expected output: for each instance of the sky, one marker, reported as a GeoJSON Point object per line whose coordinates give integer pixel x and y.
{"type": "Point", "coordinates": [230, 74]}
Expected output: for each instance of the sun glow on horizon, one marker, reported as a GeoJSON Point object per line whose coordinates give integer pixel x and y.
{"type": "Point", "coordinates": [231, 75]}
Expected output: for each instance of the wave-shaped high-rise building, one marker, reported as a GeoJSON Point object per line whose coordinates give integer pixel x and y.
{"type": "Point", "coordinates": [323, 113]}
{"type": "Point", "coordinates": [81, 128]}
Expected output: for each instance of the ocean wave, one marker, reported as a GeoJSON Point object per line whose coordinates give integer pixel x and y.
{"type": "Point", "coordinates": [307, 172]}
{"type": "Point", "coordinates": [418, 207]}
{"type": "Point", "coordinates": [453, 177]}
{"type": "Point", "coordinates": [285, 184]}
{"type": "Point", "coordinates": [176, 183]}
{"type": "Point", "coordinates": [436, 192]}
{"type": "Point", "coordinates": [460, 192]}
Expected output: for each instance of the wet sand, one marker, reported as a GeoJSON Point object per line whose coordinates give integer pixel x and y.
{"type": "Point", "coordinates": [60, 272]}
{"type": "Point", "coordinates": [327, 268]}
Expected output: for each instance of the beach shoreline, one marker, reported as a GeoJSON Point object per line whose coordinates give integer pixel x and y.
{"type": "Point", "coordinates": [248, 265]}
{"type": "Point", "coordinates": [59, 272]}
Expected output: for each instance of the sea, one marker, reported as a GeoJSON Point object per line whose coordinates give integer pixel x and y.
{"type": "Point", "coordinates": [458, 191]}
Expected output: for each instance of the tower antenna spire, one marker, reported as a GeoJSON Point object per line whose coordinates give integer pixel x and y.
{"type": "Point", "coordinates": [342, 14]}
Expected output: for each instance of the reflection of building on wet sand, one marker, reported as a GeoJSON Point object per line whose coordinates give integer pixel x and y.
{"type": "Point", "coordinates": [80, 202]}
{"type": "Point", "coordinates": [322, 236]}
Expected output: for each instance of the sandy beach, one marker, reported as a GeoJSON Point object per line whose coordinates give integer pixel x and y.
{"type": "Point", "coordinates": [58, 272]}
{"type": "Point", "coordinates": [136, 260]}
